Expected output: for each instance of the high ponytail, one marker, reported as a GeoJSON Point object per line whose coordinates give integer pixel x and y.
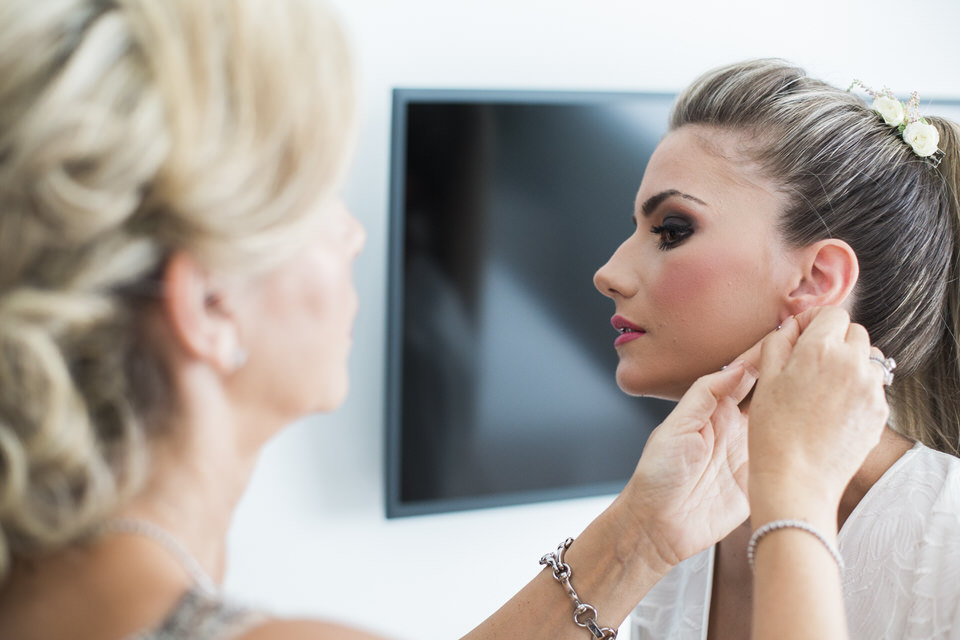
{"type": "Point", "coordinates": [926, 405]}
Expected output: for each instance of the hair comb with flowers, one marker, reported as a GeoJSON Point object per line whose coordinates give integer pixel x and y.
{"type": "Point", "coordinates": [922, 136]}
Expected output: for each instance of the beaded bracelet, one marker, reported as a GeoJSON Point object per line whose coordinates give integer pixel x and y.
{"type": "Point", "coordinates": [584, 615]}
{"type": "Point", "coordinates": [790, 524]}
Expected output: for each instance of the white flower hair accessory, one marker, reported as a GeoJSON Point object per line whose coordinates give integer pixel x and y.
{"type": "Point", "coordinates": [922, 136]}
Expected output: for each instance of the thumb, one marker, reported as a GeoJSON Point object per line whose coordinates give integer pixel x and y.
{"type": "Point", "coordinates": [701, 399]}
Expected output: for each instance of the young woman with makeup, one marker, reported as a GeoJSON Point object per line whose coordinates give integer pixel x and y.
{"type": "Point", "coordinates": [175, 287]}
{"type": "Point", "coordinates": [774, 193]}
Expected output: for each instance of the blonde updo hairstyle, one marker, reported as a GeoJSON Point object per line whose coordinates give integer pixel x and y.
{"type": "Point", "coordinates": [848, 175]}
{"type": "Point", "coordinates": [130, 129]}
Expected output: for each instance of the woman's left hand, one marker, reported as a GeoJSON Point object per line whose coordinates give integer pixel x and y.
{"type": "Point", "coordinates": [689, 488]}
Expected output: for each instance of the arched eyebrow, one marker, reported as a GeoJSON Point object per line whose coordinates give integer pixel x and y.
{"type": "Point", "coordinates": [654, 201]}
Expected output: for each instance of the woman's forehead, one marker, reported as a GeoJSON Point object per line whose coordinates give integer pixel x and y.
{"type": "Point", "coordinates": [706, 164]}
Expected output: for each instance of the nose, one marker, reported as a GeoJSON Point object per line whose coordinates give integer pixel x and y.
{"type": "Point", "coordinates": [358, 237]}
{"type": "Point", "coordinates": [613, 279]}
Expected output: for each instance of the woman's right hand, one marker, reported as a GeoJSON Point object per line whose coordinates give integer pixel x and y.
{"type": "Point", "coordinates": [818, 410]}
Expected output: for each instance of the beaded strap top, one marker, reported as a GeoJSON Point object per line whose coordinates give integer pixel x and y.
{"type": "Point", "coordinates": [201, 616]}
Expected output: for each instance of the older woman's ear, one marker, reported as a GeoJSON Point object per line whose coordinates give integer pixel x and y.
{"type": "Point", "coordinates": [198, 310]}
{"type": "Point", "coordinates": [829, 270]}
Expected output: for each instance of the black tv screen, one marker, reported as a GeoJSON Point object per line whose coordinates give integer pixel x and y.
{"type": "Point", "coordinates": [501, 363]}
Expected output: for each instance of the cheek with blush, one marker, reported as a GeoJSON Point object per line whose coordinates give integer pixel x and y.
{"type": "Point", "coordinates": [725, 279]}
{"type": "Point", "coordinates": [713, 306]}
{"type": "Point", "coordinates": [685, 287]}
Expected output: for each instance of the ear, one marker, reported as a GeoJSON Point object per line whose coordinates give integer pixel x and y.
{"type": "Point", "coordinates": [198, 312]}
{"type": "Point", "coordinates": [830, 270]}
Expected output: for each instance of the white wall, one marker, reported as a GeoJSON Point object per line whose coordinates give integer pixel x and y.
{"type": "Point", "coordinates": [310, 537]}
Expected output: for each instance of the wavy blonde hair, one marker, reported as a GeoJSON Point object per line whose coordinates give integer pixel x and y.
{"type": "Point", "coordinates": [130, 129]}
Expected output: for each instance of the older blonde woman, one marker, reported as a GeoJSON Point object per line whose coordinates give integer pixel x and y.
{"type": "Point", "coordinates": [175, 287]}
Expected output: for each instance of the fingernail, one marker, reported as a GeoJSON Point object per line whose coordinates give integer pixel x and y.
{"type": "Point", "coordinates": [743, 364]}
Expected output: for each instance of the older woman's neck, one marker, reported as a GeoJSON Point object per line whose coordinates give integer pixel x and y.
{"type": "Point", "coordinates": [200, 466]}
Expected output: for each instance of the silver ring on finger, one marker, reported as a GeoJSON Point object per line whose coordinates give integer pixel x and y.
{"type": "Point", "coordinates": [888, 365]}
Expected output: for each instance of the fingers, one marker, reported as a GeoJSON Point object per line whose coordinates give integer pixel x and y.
{"type": "Point", "coordinates": [829, 324]}
{"type": "Point", "coordinates": [833, 325]}
{"type": "Point", "coordinates": [819, 327]}
{"type": "Point", "coordinates": [876, 361]}
{"type": "Point", "coordinates": [788, 330]}
{"type": "Point", "coordinates": [752, 356]}
{"type": "Point", "coordinates": [740, 388]}
{"type": "Point", "coordinates": [777, 346]}
{"type": "Point", "coordinates": [700, 401]}
{"type": "Point", "coordinates": [804, 318]}
{"type": "Point", "coordinates": [858, 338]}
{"type": "Point", "coordinates": [816, 326]}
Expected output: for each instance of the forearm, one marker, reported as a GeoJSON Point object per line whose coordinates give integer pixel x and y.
{"type": "Point", "coordinates": [797, 588]}
{"type": "Point", "coordinates": [613, 567]}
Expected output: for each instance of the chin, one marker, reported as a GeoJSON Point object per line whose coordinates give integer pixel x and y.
{"type": "Point", "coordinates": [332, 396]}
{"type": "Point", "coordinates": [645, 383]}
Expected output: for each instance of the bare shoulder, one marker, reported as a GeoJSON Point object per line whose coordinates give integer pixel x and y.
{"type": "Point", "coordinates": [305, 630]}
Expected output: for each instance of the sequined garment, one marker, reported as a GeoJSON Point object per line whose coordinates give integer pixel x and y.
{"type": "Point", "coordinates": [198, 616]}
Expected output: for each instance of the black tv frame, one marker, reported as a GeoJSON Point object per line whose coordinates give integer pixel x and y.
{"type": "Point", "coordinates": [402, 97]}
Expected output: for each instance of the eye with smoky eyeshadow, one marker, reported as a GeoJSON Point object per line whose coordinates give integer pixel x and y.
{"type": "Point", "coordinates": [672, 231]}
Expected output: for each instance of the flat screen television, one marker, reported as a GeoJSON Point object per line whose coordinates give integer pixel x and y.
{"type": "Point", "coordinates": [500, 384]}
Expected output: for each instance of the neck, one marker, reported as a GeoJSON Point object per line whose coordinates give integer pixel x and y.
{"type": "Point", "coordinates": [199, 470]}
{"type": "Point", "coordinates": [891, 447]}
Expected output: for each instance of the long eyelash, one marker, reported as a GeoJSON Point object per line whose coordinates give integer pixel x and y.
{"type": "Point", "coordinates": [683, 232]}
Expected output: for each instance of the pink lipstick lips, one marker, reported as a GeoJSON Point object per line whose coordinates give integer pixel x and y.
{"type": "Point", "coordinates": [628, 330]}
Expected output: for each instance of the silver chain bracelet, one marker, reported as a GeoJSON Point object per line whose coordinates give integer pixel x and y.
{"type": "Point", "coordinates": [584, 615]}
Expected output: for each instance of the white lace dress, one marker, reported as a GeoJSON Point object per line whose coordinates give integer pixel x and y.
{"type": "Point", "coordinates": [901, 546]}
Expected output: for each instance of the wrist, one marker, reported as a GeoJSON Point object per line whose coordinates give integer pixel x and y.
{"type": "Point", "coordinates": [800, 503]}
{"type": "Point", "coordinates": [788, 527]}
{"type": "Point", "coordinates": [793, 493]}
{"type": "Point", "coordinates": [638, 546]}
{"type": "Point", "coordinates": [612, 565]}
